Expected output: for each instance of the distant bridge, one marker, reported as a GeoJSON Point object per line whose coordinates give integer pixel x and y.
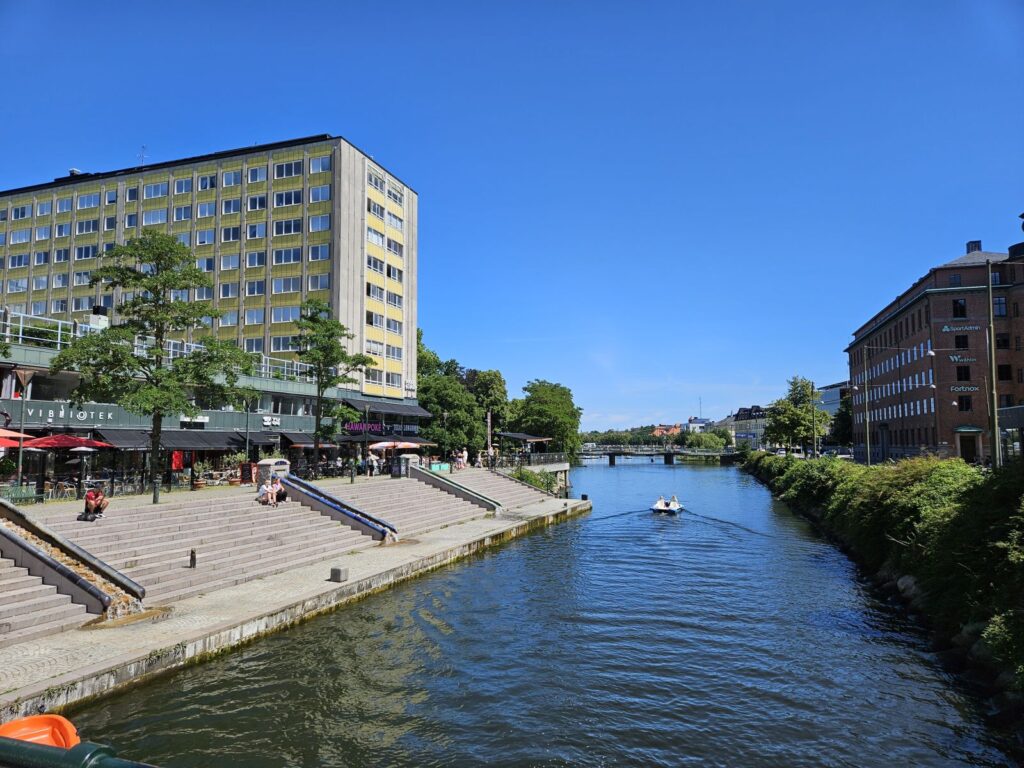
{"type": "Point", "coordinates": [669, 453]}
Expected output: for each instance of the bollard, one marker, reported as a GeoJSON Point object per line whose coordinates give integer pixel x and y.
{"type": "Point", "coordinates": [192, 558]}
{"type": "Point", "coordinates": [584, 497]}
{"type": "Point", "coordinates": [339, 574]}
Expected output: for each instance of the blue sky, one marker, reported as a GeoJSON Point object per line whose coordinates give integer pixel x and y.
{"type": "Point", "coordinates": [651, 203]}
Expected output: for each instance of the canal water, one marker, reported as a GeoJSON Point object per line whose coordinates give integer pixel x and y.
{"type": "Point", "coordinates": [730, 636]}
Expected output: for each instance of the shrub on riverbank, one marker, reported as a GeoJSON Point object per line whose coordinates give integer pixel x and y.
{"type": "Point", "coordinates": [957, 530]}
{"type": "Point", "coordinates": [544, 480]}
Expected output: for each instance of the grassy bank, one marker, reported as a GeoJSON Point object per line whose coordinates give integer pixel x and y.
{"type": "Point", "coordinates": [958, 531]}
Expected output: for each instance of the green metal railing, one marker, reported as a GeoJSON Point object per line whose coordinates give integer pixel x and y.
{"type": "Point", "coordinates": [25, 754]}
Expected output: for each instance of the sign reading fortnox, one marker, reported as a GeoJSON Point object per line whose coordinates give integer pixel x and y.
{"type": "Point", "coordinates": [963, 388]}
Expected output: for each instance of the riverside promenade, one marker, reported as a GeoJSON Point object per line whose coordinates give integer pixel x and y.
{"type": "Point", "coordinates": [52, 672]}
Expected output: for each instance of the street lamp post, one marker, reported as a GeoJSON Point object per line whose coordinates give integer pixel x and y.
{"type": "Point", "coordinates": [24, 377]}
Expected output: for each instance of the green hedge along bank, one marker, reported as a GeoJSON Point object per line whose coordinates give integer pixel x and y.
{"type": "Point", "coordinates": [948, 535]}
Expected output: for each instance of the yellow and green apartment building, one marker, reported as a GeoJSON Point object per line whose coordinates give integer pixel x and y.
{"type": "Point", "coordinates": [272, 224]}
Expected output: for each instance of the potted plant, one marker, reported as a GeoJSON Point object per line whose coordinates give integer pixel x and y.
{"type": "Point", "coordinates": [200, 468]}
{"type": "Point", "coordinates": [235, 461]}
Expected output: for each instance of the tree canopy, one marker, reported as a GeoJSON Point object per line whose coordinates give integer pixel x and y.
{"type": "Point", "coordinates": [128, 364]}
{"type": "Point", "coordinates": [548, 410]}
{"type": "Point", "coordinates": [790, 418]}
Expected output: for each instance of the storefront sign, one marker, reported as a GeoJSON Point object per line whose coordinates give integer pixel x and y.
{"type": "Point", "coordinates": [364, 426]}
{"type": "Point", "coordinates": [962, 359]}
{"type": "Point", "coordinates": [960, 328]}
{"type": "Point", "coordinates": [68, 415]}
{"type": "Point", "coordinates": [963, 388]}
{"type": "Point", "coordinates": [271, 421]}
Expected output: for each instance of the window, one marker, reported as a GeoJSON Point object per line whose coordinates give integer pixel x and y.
{"type": "Point", "coordinates": [183, 213]}
{"type": "Point", "coordinates": [375, 181]}
{"type": "Point", "coordinates": [206, 209]}
{"type": "Point", "coordinates": [999, 306]}
{"type": "Point", "coordinates": [394, 380]}
{"type": "Point", "coordinates": [959, 307]}
{"type": "Point", "coordinates": [110, 197]}
{"type": "Point", "coordinates": [254, 316]}
{"type": "Point", "coordinates": [394, 326]}
{"type": "Point", "coordinates": [90, 201]}
{"type": "Point", "coordinates": [320, 194]}
{"type": "Point", "coordinates": [1002, 341]}
{"type": "Point", "coordinates": [3, 214]}
{"type": "Point", "coordinates": [208, 182]}
{"type": "Point", "coordinates": [38, 307]}
{"type": "Point", "coordinates": [394, 221]}
{"type": "Point", "coordinates": [374, 376]}
{"type": "Point", "coordinates": [87, 226]}
{"type": "Point", "coordinates": [182, 186]}
{"type": "Point", "coordinates": [1006, 401]}
{"type": "Point", "coordinates": [257, 203]}
{"type": "Point", "coordinates": [40, 282]}
{"type": "Point", "coordinates": [320, 164]}
{"type": "Point", "coordinates": [61, 280]}
{"type": "Point", "coordinates": [17, 260]}
{"type": "Point", "coordinates": [42, 257]}
{"type": "Point", "coordinates": [964, 402]}
{"type": "Point", "coordinates": [43, 233]}
{"type": "Point", "coordinates": [960, 342]}
{"type": "Point", "coordinates": [320, 223]}
{"type": "Point", "coordinates": [230, 234]}
{"type": "Point", "coordinates": [287, 255]}
{"type": "Point", "coordinates": [288, 227]}
{"type": "Point", "coordinates": [61, 254]}
{"type": "Point", "coordinates": [131, 220]}
{"type": "Point", "coordinates": [375, 208]}
{"type": "Point", "coordinates": [374, 292]}
{"type": "Point", "coordinates": [59, 306]}
{"type": "Point", "coordinates": [256, 259]}
{"type": "Point", "coordinates": [82, 278]}
{"type": "Point", "coordinates": [286, 170]}
{"type": "Point", "coordinates": [1004, 372]}
{"type": "Point", "coordinates": [395, 273]}
{"type": "Point", "coordinates": [319, 252]}
{"type": "Point", "coordinates": [291, 197]}
{"type": "Point", "coordinates": [131, 194]}
{"type": "Point", "coordinates": [229, 318]}
{"type": "Point", "coordinates": [205, 264]}
{"type": "Point", "coordinates": [287, 284]}
{"type": "Point", "coordinates": [319, 282]}
{"type": "Point", "coordinates": [997, 278]}
{"type": "Point", "coordinates": [232, 178]}
{"type": "Point", "coordinates": [19, 285]}
{"type": "Point", "coordinates": [43, 209]}
{"type": "Point", "coordinates": [205, 236]}
{"type": "Point", "coordinates": [375, 319]}
{"type": "Point", "coordinates": [256, 231]}
{"type": "Point", "coordinates": [396, 195]}
{"type": "Point", "coordinates": [395, 247]}
{"type": "Point", "coordinates": [284, 343]}
{"type": "Point", "coordinates": [61, 230]}
{"type": "Point", "coordinates": [154, 217]}
{"type": "Point", "coordinates": [150, 191]}
{"type": "Point", "coordinates": [374, 348]}
{"type": "Point", "coordinates": [257, 174]}
{"type": "Point", "coordinates": [64, 204]}
{"type": "Point", "coordinates": [233, 205]}
{"type": "Point", "coordinates": [229, 262]}
{"type": "Point", "coordinates": [954, 281]}
{"type": "Point", "coordinates": [254, 345]}
{"type": "Point", "coordinates": [109, 223]}
{"type": "Point", "coordinates": [229, 290]}
{"type": "Point", "coordinates": [394, 299]}
{"type": "Point", "coordinates": [375, 237]}
{"type": "Point", "coordinates": [395, 353]}
{"type": "Point", "coordinates": [83, 252]}
{"type": "Point", "coordinates": [255, 287]}
{"type": "Point", "coordinates": [185, 238]}
{"type": "Point", "coordinates": [375, 264]}
{"type": "Point", "coordinates": [284, 314]}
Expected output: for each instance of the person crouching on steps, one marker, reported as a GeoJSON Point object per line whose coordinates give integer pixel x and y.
{"type": "Point", "coordinates": [96, 502]}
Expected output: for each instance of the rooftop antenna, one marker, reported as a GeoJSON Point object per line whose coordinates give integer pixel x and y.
{"type": "Point", "coordinates": [700, 407]}
{"type": "Point", "coordinates": [142, 155]}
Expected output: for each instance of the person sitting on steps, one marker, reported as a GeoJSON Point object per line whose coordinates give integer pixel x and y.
{"type": "Point", "coordinates": [96, 502]}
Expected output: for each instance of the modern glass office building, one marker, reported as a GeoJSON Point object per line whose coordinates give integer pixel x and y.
{"type": "Point", "coordinates": [272, 224]}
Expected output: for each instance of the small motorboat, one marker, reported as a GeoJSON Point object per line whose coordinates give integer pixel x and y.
{"type": "Point", "coordinates": [670, 507]}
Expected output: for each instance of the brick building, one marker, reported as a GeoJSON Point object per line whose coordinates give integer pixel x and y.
{"type": "Point", "coordinates": [919, 368]}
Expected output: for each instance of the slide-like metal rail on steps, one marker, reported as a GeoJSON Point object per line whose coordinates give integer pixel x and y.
{"type": "Point", "coordinates": [448, 485]}
{"type": "Point", "coordinates": [319, 500]}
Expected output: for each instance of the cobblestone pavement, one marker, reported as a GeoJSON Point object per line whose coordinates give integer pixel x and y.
{"type": "Point", "coordinates": [71, 665]}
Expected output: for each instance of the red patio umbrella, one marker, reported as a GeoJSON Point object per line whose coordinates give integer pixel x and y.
{"type": "Point", "coordinates": [6, 442]}
{"type": "Point", "coordinates": [65, 441]}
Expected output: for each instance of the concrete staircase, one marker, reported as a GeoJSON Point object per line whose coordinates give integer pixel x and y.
{"type": "Point", "coordinates": [30, 609]}
{"type": "Point", "coordinates": [504, 490]}
{"type": "Point", "coordinates": [409, 505]}
{"type": "Point", "coordinates": [235, 539]}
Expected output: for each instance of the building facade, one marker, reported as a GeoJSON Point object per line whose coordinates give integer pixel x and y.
{"type": "Point", "coordinates": [272, 224]}
{"type": "Point", "coordinates": [749, 424]}
{"type": "Point", "coordinates": [919, 368]}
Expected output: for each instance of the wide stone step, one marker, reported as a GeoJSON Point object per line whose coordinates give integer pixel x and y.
{"type": "Point", "coordinates": [114, 521]}
{"type": "Point", "coordinates": [45, 615]}
{"type": "Point", "coordinates": [29, 603]}
{"type": "Point", "coordinates": [71, 621]}
{"type": "Point", "coordinates": [11, 583]}
{"type": "Point", "coordinates": [21, 593]}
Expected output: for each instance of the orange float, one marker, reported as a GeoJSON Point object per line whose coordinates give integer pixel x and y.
{"type": "Point", "coordinates": [51, 730]}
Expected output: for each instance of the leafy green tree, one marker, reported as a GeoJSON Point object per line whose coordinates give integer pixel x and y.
{"type": "Point", "coordinates": [457, 420]}
{"type": "Point", "coordinates": [842, 422]}
{"type": "Point", "coordinates": [704, 441]}
{"type": "Point", "coordinates": [427, 361]}
{"type": "Point", "coordinates": [322, 346]}
{"type": "Point", "coordinates": [790, 418]}
{"type": "Point", "coordinates": [488, 387]}
{"type": "Point", "coordinates": [127, 363]}
{"type": "Point", "coordinates": [548, 410]}
{"type": "Point", "coordinates": [723, 433]}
